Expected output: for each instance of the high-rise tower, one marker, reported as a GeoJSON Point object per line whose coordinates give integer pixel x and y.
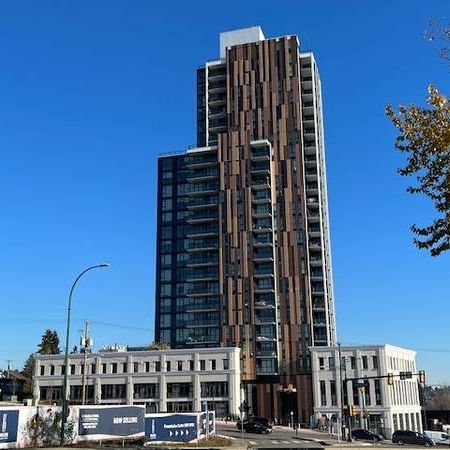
{"type": "Point", "coordinates": [243, 234]}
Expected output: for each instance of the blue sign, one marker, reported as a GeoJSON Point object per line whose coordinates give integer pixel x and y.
{"type": "Point", "coordinates": [114, 421]}
{"type": "Point", "coordinates": [9, 421]}
{"type": "Point", "coordinates": [173, 427]}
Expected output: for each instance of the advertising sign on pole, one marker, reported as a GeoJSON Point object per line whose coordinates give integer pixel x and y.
{"type": "Point", "coordinates": [171, 427]}
{"type": "Point", "coordinates": [112, 421]}
{"type": "Point", "coordinates": [9, 421]}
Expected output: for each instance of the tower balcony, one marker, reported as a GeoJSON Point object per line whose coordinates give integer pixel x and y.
{"type": "Point", "coordinates": [199, 175]}
{"type": "Point", "coordinates": [202, 201]}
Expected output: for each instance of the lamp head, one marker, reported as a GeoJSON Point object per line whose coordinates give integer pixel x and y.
{"type": "Point", "coordinates": [104, 265]}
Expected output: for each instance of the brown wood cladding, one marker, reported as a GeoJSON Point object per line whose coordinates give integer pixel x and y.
{"type": "Point", "coordinates": [264, 102]}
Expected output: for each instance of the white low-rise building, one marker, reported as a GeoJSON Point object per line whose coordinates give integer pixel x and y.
{"type": "Point", "coordinates": [381, 407]}
{"type": "Point", "coordinates": [162, 380]}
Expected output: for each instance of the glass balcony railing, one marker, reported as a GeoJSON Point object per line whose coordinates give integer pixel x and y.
{"type": "Point", "coordinates": [200, 229]}
{"type": "Point", "coordinates": [263, 254]}
{"type": "Point", "coordinates": [199, 274]}
{"type": "Point", "coordinates": [260, 152]}
{"type": "Point", "coordinates": [202, 187]}
{"type": "Point", "coordinates": [199, 159]}
{"type": "Point", "coordinates": [202, 243]}
{"type": "Point", "coordinates": [260, 166]}
{"type": "Point", "coordinates": [264, 284]}
{"type": "Point", "coordinates": [203, 200]}
{"type": "Point", "coordinates": [261, 210]}
{"type": "Point", "coordinates": [203, 173]}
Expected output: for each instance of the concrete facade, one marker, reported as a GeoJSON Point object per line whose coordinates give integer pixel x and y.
{"type": "Point", "coordinates": [382, 408]}
{"type": "Point", "coordinates": [163, 381]}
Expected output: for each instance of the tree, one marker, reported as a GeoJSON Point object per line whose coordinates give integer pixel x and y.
{"type": "Point", "coordinates": [49, 343]}
{"type": "Point", "coordinates": [28, 371]}
{"type": "Point", "coordinates": [439, 32]}
{"type": "Point", "coordinates": [424, 135]}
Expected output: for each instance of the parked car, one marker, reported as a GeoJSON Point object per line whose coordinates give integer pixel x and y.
{"type": "Point", "coordinates": [366, 435]}
{"type": "Point", "coordinates": [251, 426]}
{"type": "Point", "coordinates": [439, 437]}
{"type": "Point", "coordinates": [411, 437]}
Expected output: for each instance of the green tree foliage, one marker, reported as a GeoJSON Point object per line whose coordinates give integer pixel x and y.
{"type": "Point", "coordinates": [424, 135]}
{"type": "Point", "coordinates": [49, 343]}
{"type": "Point", "coordinates": [28, 371]}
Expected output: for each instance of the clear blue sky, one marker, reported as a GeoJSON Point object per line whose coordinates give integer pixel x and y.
{"type": "Point", "coordinates": [92, 91]}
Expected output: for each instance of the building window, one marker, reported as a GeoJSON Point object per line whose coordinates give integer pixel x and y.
{"type": "Point", "coordinates": [157, 366]}
{"type": "Point", "coordinates": [331, 364]}
{"type": "Point", "coordinates": [214, 389]}
{"type": "Point", "coordinates": [180, 390]}
{"type": "Point", "coordinates": [42, 370]}
{"type": "Point", "coordinates": [146, 390]}
{"type": "Point", "coordinates": [355, 395]}
{"type": "Point", "coordinates": [353, 362]}
{"type": "Point", "coordinates": [166, 275]}
{"type": "Point", "coordinates": [180, 365]}
{"type": "Point", "coordinates": [147, 366]}
{"type": "Point", "coordinates": [164, 320]}
{"type": "Point", "coordinates": [167, 366]}
{"type": "Point", "coordinates": [63, 370]}
{"type": "Point", "coordinates": [113, 391]}
{"type": "Point", "coordinates": [166, 260]}
{"type": "Point", "coordinates": [166, 204]}
{"type": "Point", "coordinates": [166, 217]}
{"type": "Point", "coordinates": [225, 364]}
{"type": "Point", "coordinates": [202, 364]}
{"type": "Point", "coordinates": [364, 362]}
{"type": "Point", "coordinates": [72, 369]}
{"type": "Point", "coordinates": [166, 290]}
{"type": "Point", "coordinates": [167, 191]}
{"type": "Point", "coordinates": [124, 367]}
{"type": "Point", "coordinates": [82, 369]}
{"type": "Point", "coordinates": [375, 362]}
{"type": "Point", "coordinates": [333, 392]}
{"type": "Point", "coordinates": [114, 368]}
{"type": "Point", "coordinates": [191, 365]}
{"type": "Point", "coordinates": [323, 393]}
{"type": "Point", "coordinates": [367, 399]}
{"type": "Point", "coordinates": [378, 399]}
{"type": "Point", "coordinates": [52, 370]}
{"type": "Point", "coordinates": [135, 367]}
{"type": "Point", "coordinates": [213, 364]}
{"type": "Point", "coordinates": [103, 368]}
{"type": "Point", "coordinates": [321, 363]}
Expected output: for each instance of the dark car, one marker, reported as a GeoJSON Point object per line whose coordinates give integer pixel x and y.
{"type": "Point", "coordinates": [251, 426]}
{"type": "Point", "coordinates": [401, 437]}
{"type": "Point", "coordinates": [366, 435]}
{"type": "Point", "coordinates": [262, 420]}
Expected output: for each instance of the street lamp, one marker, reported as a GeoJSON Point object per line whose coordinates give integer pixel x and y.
{"type": "Point", "coordinates": [66, 353]}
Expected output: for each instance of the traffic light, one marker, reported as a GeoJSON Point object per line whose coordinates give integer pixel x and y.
{"type": "Point", "coordinates": [390, 379]}
{"type": "Point", "coordinates": [351, 410]}
{"type": "Point", "coordinates": [422, 376]}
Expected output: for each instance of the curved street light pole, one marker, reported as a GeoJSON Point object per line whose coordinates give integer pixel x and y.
{"type": "Point", "coordinates": [66, 353]}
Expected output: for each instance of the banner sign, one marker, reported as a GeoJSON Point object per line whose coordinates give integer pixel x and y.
{"type": "Point", "coordinates": [122, 421]}
{"type": "Point", "coordinates": [9, 421]}
{"type": "Point", "coordinates": [173, 427]}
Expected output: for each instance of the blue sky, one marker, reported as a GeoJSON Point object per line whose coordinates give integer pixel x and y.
{"type": "Point", "coordinates": [92, 92]}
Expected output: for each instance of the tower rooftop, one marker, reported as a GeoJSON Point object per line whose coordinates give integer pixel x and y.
{"type": "Point", "coordinates": [241, 36]}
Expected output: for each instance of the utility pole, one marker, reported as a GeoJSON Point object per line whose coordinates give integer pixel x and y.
{"type": "Point", "coordinates": [341, 406]}
{"type": "Point", "coordinates": [86, 344]}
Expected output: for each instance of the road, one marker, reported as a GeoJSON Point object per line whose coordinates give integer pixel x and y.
{"type": "Point", "coordinates": [279, 438]}
{"type": "Point", "coordinates": [283, 437]}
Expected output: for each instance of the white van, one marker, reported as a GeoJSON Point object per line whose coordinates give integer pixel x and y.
{"type": "Point", "coordinates": [439, 437]}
